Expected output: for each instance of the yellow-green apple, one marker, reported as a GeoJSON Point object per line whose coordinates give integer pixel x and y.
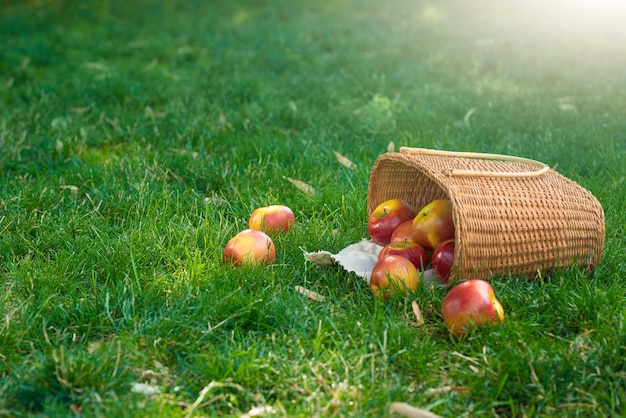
{"type": "Point", "coordinates": [250, 247]}
{"type": "Point", "coordinates": [274, 218]}
{"type": "Point", "coordinates": [414, 252]}
{"type": "Point", "coordinates": [402, 232]}
{"type": "Point", "coordinates": [443, 259]}
{"type": "Point", "coordinates": [386, 217]}
{"type": "Point", "coordinates": [472, 303]}
{"type": "Point", "coordinates": [393, 275]}
{"type": "Point", "coordinates": [433, 224]}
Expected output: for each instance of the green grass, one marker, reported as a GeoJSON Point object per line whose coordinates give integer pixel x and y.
{"type": "Point", "coordinates": [136, 138]}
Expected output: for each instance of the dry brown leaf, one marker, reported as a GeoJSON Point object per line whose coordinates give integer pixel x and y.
{"type": "Point", "coordinates": [344, 161]}
{"type": "Point", "coordinates": [302, 186]}
{"type": "Point", "coordinates": [76, 409]}
{"type": "Point", "coordinates": [418, 313]}
{"type": "Point", "coordinates": [311, 294]}
{"type": "Point", "coordinates": [79, 109]}
{"type": "Point", "coordinates": [184, 152]}
{"type": "Point", "coordinates": [409, 411]}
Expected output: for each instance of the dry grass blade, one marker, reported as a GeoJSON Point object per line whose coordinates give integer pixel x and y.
{"type": "Point", "coordinates": [344, 161]}
{"type": "Point", "coordinates": [311, 294]}
{"type": "Point", "coordinates": [410, 411]}
{"type": "Point", "coordinates": [418, 313]}
{"type": "Point", "coordinates": [302, 186]}
{"type": "Point", "coordinates": [447, 389]}
{"type": "Point", "coordinates": [198, 403]}
{"type": "Point", "coordinates": [468, 115]}
{"type": "Point", "coordinates": [70, 187]}
{"type": "Point", "coordinates": [464, 357]}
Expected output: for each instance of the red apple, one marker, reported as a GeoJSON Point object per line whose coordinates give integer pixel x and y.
{"type": "Point", "coordinates": [250, 247]}
{"type": "Point", "coordinates": [410, 250]}
{"type": "Point", "coordinates": [443, 259]}
{"type": "Point", "coordinates": [402, 232]}
{"type": "Point", "coordinates": [386, 218]}
{"type": "Point", "coordinates": [393, 275]}
{"type": "Point", "coordinates": [270, 219]}
{"type": "Point", "coordinates": [433, 224]}
{"type": "Point", "coordinates": [471, 304]}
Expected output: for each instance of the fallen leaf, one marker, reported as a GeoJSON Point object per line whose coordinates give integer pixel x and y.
{"type": "Point", "coordinates": [79, 109]}
{"type": "Point", "coordinates": [98, 66]}
{"type": "Point", "coordinates": [145, 389]}
{"type": "Point", "coordinates": [344, 161]}
{"type": "Point", "coordinates": [302, 186]}
{"type": "Point", "coordinates": [409, 411]}
{"type": "Point", "coordinates": [76, 409]}
{"type": "Point", "coordinates": [567, 107]}
{"type": "Point", "coordinates": [259, 411]}
{"type": "Point", "coordinates": [418, 313]}
{"type": "Point", "coordinates": [310, 294]}
{"type": "Point", "coordinates": [69, 187]}
{"type": "Point", "coordinates": [184, 152]}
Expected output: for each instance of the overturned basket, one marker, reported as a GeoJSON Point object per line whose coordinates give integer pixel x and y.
{"type": "Point", "coordinates": [512, 215]}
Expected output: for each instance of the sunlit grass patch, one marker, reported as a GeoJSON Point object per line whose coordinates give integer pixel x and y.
{"type": "Point", "coordinates": [137, 138]}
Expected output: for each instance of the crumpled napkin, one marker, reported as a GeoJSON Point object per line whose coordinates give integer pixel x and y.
{"type": "Point", "coordinates": [358, 258]}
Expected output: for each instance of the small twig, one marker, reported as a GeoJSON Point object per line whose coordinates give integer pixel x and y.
{"type": "Point", "coordinates": [418, 313]}
{"type": "Point", "coordinates": [311, 294]}
{"type": "Point", "coordinates": [409, 411]}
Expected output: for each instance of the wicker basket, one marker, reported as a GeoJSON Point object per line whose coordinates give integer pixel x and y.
{"type": "Point", "coordinates": [512, 215]}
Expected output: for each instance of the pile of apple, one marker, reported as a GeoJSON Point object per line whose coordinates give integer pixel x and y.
{"type": "Point", "coordinates": [413, 241]}
{"type": "Point", "coordinates": [253, 246]}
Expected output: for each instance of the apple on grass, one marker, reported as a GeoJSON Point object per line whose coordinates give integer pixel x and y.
{"type": "Point", "coordinates": [386, 217]}
{"type": "Point", "coordinates": [410, 250]}
{"type": "Point", "coordinates": [472, 303]}
{"type": "Point", "coordinates": [250, 247]}
{"type": "Point", "coordinates": [393, 275]}
{"type": "Point", "coordinates": [433, 224]}
{"type": "Point", "coordinates": [443, 259]}
{"type": "Point", "coordinates": [270, 219]}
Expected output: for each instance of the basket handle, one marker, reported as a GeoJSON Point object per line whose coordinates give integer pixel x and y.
{"type": "Point", "coordinates": [543, 168]}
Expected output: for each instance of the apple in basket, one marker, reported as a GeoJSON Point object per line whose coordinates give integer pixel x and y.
{"type": "Point", "coordinates": [471, 304]}
{"type": "Point", "coordinates": [433, 224]}
{"type": "Point", "coordinates": [403, 232]}
{"type": "Point", "coordinates": [250, 247]}
{"type": "Point", "coordinates": [270, 219]}
{"type": "Point", "coordinates": [443, 259]}
{"type": "Point", "coordinates": [386, 217]}
{"type": "Point", "coordinates": [410, 250]}
{"type": "Point", "coordinates": [393, 275]}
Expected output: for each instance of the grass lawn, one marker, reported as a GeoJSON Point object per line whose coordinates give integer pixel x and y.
{"type": "Point", "coordinates": [137, 137]}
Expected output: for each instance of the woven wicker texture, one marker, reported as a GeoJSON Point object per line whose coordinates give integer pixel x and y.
{"type": "Point", "coordinates": [532, 220]}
